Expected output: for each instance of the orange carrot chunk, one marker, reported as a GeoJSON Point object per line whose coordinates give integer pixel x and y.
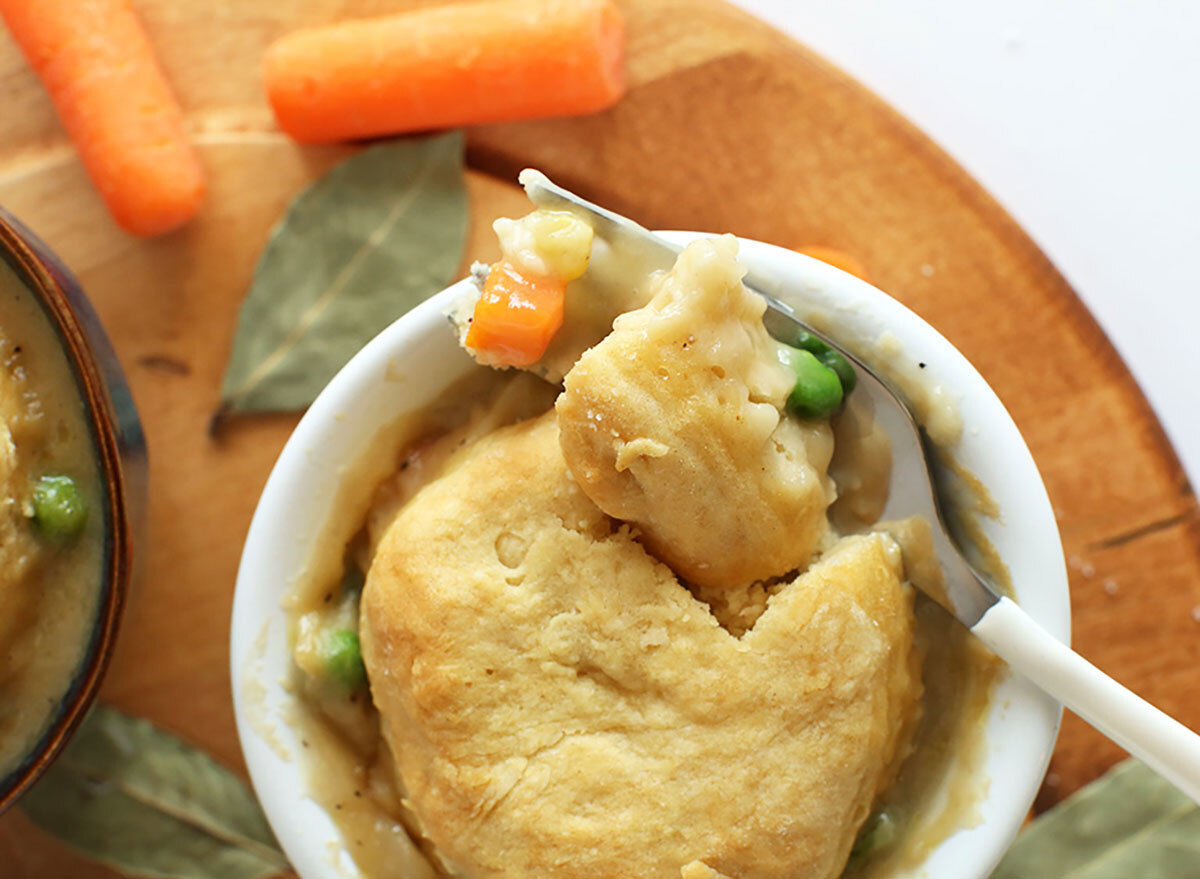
{"type": "Point", "coordinates": [516, 316]}
{"type": "Point", "coordinates": [446, 66]}
{"type": "Point", "coordinates": [98, 66]}
{"type": "Point", "coordinates": [836, 258]}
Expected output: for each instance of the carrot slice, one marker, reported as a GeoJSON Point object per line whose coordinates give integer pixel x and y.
{"type": "Point", "coordinates": [516, 316]}
{"type": "Point", "coordinates": [98, 66]}
{"type": "Point", "coordinates": [836, 258]}
{"type": "Point", "coordinates": [445, 66]}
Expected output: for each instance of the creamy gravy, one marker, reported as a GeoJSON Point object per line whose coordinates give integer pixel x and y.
{"type": "Point", "coordinates": [350, 768]}
{"type": "Point", "coordinates": [48, 589]}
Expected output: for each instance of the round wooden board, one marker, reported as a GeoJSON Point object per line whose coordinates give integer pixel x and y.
{"type": "Point", "coordinates": [728, 126]}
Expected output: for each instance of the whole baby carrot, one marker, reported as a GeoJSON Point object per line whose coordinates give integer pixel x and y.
{"type": "Point", "coordinates": [98, 66]}
{"type": "Point", "coordinates": [446, 66]}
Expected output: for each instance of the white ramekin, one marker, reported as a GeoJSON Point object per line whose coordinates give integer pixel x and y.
{"type": "Point", "coordinates": [415, 359]}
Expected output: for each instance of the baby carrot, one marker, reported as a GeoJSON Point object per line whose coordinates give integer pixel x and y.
{"type": "Point", "coordinates": [516, 316]}
{"type": "Point", "coordinates": [98, 66]}
{"type": "Point", "coordinates": [836, 258]}
{"type": "Point", "coordinates": [445, 66]}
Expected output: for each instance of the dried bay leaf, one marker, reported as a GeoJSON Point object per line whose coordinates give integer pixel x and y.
{"type": "Point", "coordinates": [1129, 823]}
{"type": "Point", "coordinates": [378, 234]}
{"type": "Point", "coordinates": [160, 768]}
{"type": "Point", "coordinates": [137, 799]}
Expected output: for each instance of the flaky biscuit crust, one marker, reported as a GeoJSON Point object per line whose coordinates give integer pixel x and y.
{"type": "Point", "coordinates": [561, 707]}
{"type": "Point", "coordinates": [673, 422]}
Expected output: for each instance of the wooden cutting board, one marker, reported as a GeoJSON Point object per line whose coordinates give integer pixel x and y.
{"type": "Point", "coordinates": [728, 126]}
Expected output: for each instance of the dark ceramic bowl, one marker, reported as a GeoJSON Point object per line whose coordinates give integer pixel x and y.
{"type": "Point", "coordinates": [120, 453]}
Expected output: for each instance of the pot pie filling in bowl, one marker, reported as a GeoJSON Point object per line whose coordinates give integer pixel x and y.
{"type": "Point", "coordinates": [51, 544]}
{"type": "Point", "coordinates": [628, 610]}
{"type": "Point", "coordinates": [69, 466]}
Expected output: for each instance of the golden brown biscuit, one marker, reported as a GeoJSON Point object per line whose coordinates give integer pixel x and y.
{"type": "Point", "coordinates": [673, 423]}
{"type": "Point", "coordinates": [560, 707]}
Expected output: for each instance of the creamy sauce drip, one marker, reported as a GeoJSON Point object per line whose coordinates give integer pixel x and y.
{"type": "Point", "coordinates": [861, 468]}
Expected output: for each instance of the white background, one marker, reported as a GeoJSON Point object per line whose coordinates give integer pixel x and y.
{"type": "Point", "coordinates": [1082, 117]}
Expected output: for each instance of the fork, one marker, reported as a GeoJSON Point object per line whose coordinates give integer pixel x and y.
{"type": "Point", "coordinates": [1161, 742]}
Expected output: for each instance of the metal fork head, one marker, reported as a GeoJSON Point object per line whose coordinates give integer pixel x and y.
{"type": "Point", "coordinates": [917, 482]}
{"type": "Point", "coordinates": [915, 490]}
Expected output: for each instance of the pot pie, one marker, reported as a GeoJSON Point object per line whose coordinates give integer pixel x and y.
{"type": "Point", "coordinates": [608, 622]}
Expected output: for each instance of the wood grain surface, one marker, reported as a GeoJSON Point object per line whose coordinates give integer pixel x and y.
{"type": "Point", "coordinates": [728, 126]}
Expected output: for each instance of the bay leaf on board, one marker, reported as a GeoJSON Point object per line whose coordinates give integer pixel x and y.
{"type": "Point", "coordinates": [1128, 824]}
{"type": "Point", "coordinates": [379, 233]}
{"type": "Point", "coordinates": [133, 797]}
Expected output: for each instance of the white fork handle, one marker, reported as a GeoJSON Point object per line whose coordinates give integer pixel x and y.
{"type": "Point", "coordinates": [1161, 742]}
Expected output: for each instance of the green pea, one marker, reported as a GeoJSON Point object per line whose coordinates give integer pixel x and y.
{"type": "Point", "coordinates": [840, 365]}
{"type": "Point", "coordinates": [806, 341]}
{"type": "Point", "coordinates": [342, 653]}
{"type": "Point", "coordinates": [59, 510]}
{"type": "Point", "coordinates": [818, 391]}
{"type": "Point", "coordinates": [878, 833]}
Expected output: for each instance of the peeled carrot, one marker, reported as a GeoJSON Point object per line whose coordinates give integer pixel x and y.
{"type": "Point", "coordinates": [836, 258]}
{"type": "Point", "coordinates": [516, 316]}
{"type": "Point", "coordinates": [445, 66]}
{"type": "Point", "coordinates": [98, 66]}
